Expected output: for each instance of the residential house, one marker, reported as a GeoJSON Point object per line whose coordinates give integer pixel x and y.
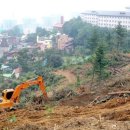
{"type": "Point", "coordinates": [12, 54]}
{"type": "Point", "coordinates": [65, 42]}
{"type": "Point", "coordinates": [4, 47]}
{"type": "Point", "coordinates": [6, 70]}
{"type": "Point", "coordinates": [17, 72]}
{"type": "Point", "coordinates": [7, 43]}
{"type": "Point", "coordinates": [44, 43]}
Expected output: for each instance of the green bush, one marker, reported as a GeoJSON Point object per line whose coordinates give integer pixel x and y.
{"type": "Point", "coordinates": [12, 119]}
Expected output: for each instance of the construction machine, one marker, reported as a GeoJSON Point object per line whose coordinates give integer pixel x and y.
{"type": "Point", "coordinates": [10, 97]}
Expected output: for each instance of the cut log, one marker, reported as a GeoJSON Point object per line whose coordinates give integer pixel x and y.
{"type": "Point", "coordinates": [120, 92]}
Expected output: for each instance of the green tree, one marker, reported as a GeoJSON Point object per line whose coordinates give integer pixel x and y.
{"type": "Point", "coordinates": [53, 58]}
{"type": "Point", "coordinates": [83, 35]}
{"type": "Point", "coordinates": [1, 74]}
{"type": "Point", "coordinates": [81, 51]}
{"type": "Point", "coordinates": [93, 41]}
{"type": "Point", "coordinates": [128, 41]}
{"type": "Point", "coordinates": [120, 35]}
{"type": "Point", "coordinates": [13, 63]}
{"type": "Point", "coordinates": [109, 41]}
{"type": "Point", "coordinates": [15, 31]}
{"type": "Point", "coordinates": [100, 62]}
{"type": "Point", "coordinates": [23, 60]}
{"type": "Point", "coordinates": [41, 31]}
{"type": "Point", "coordinates": [72, 27]}
{"type": "Point", "coordinates": [32, 38]}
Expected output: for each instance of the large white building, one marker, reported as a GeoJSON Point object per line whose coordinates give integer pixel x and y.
{"type": "Point", "coordinates": [108, 19]}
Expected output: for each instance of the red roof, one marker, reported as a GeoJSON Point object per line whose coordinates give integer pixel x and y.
{"type": "Point", "coordinates": [58, 25]}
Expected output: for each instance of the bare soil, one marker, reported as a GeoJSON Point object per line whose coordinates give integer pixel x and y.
{"type": "Point", "coordinates": [76, 112]}
{"type": "Point", "coordinates": [62, 117]}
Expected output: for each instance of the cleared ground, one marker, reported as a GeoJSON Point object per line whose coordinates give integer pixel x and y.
{"type": "Point", "coordinates": [77, 112]}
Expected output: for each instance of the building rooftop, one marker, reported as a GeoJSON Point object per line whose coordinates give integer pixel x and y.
{"type": "Point", "coordinates": [108, 13]}
{"type": "Point", "coordinates": [58, 25]}
{"type": "Point", "coordinates": [4, 43]}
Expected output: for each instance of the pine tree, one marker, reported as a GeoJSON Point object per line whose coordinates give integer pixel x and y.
{"type": "Point", "coordinates": [100, 62]}
{"type": "Point", "coordinates": [93, 41]}
{"type": "Point", "coordinates": [120, 35]}
{"type": "Point", "coordinates": [1, 74]}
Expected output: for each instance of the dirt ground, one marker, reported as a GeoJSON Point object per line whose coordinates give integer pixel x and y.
{"type": "Point", "coordinates": [76, 112]}
{"type": "Point", "coordinates": [112, 115]}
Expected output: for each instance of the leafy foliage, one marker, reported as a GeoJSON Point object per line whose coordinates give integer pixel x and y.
{"type": "Point", "coordinates": [100, 62]}
{"type": "Point", "coordinates": [41, 31]}
{"type": "Point", "coordinates": [12, 119]}
{"type": "Point", "coordinates": [23, 59]}
{"type": "Point", "coordinates": [120, 35]}
{"type": "Point", "coordinates": [31, 38]}
{"type": "Point", "coordinates": [93, 41]}
{"type": "Point", "coordinates": [15, 31]}
{"type": "Point", "coordinates": [53, 58]}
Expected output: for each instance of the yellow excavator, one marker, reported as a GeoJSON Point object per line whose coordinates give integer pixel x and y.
{"type": "Point", "coordinates": [10, 97]}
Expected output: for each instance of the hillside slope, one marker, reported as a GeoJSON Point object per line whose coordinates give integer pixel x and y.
{"type": "Point", "coordinates": [77, 112]}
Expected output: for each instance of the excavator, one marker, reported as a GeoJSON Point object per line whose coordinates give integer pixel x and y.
{"type": "Point", "coordinates": [10, 97]}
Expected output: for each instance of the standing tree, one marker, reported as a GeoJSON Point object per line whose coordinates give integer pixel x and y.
{"type": "Point", "coordinates": [41, 32]}
{"type": "Point", "coordinates": [100, 62]}
{"type": "Point", "coordinates": [93, 41]}
{"type": "Point", "coordinates": [32, 38]}
{"type": "Point", "coordinates": [15, 31]}
{"type": "Point", "coordinates": [109, 40]}
{"type": "Point", "coordinates": [53, 58]}
{"type": "Point", "coordinates": [1, 74]}
{"type": "Point", "coordinates": [23, 60]}
{"type": "Point", "coordinates": [120, 35]}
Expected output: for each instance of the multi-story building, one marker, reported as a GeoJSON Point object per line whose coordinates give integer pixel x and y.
{"type": "Point", "coordinates": [108, 19]}
{"type": "Point", "coordinates": [65, 42]}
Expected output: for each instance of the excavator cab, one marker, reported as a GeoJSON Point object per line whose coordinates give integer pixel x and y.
{"type": "Point", "coordinates": [5, 98]}
{"type": "Point", "coordinates": [7, 93]}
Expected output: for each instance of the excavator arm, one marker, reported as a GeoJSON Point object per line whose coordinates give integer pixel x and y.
{"type": "Point", "coordinates": [39, 81]}
{"type": "Point", "coordinates": [15, 96]}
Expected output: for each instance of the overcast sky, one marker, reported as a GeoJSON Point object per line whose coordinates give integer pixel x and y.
{"type": "Point", "coordinates": [37, 8]}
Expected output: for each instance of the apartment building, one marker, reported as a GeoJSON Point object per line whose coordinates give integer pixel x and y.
{"type": "Point", "coordinates": [108, 19]}
{"type": "Point", "coordinates": [65, 42]}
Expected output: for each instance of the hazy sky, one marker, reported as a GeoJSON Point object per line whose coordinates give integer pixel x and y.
{"type": "Point", "coordinates": [37, 8]}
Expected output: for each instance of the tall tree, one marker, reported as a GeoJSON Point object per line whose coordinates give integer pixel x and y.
{"type": "Point", "coordinates": [23, 60]}
{"type": "Point", "coordinates": [100, 62]}
{"type": "Point", "coordinates": [15, 31]}
{"type": "Point", "coordinates": [53, 58]}
{"type": "Point", "coordinates": [120, 35]}
{"type": "Point", "coordinates": [41, 31]}
{"type": "Point", "coordinates": [93, 41]}
{"type": "Point", "coordinates": [1, 74]}
{"type": "Point", "coordinates": [71, 27]}
{"type": "Point", "coordinates": [32, 38]}
{"type": "Point", "coordinates": [109, 41]}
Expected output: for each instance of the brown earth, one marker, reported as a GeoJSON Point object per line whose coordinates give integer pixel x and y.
{"type": "Point", "coordinates": [70, 78]}
{"type": "Point", "coordinates": [76, 112]}
{"type": "Point", "coordinates": [70, 118]}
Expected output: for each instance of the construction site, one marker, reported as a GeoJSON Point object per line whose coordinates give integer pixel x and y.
{"type": "Point", "coordinates": [71, 75]}
{"type": "Point", "coordinates": [97, 106]}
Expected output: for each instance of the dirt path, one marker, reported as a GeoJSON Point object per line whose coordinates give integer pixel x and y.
{"type": "Point", "coordinates": [71, 78]}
